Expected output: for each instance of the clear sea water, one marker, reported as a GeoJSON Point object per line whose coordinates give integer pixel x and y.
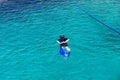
{"type": "Point", "coordinates": [29, 30]}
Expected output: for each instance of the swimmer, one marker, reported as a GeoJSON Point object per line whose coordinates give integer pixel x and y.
{"type": "Point", "coordinates": [63, 41]}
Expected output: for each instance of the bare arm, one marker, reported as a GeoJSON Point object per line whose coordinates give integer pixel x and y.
{"type": "Point", "coordinates": [58, 42]}
{"type": "Point", "coordinates": [66, 41]}
{"type": "Point", "coordinates": [63, 42]}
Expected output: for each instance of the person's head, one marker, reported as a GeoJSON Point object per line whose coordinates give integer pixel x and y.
{"type": "Point", "coordinates": [62, 36]}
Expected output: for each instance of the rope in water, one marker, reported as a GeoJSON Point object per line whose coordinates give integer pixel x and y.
{"type": "Point", "coordinates": [100, 21]}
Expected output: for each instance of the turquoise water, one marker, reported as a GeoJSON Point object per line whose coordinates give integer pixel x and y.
{"type": "Point", "coordinates": [28, 33]}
